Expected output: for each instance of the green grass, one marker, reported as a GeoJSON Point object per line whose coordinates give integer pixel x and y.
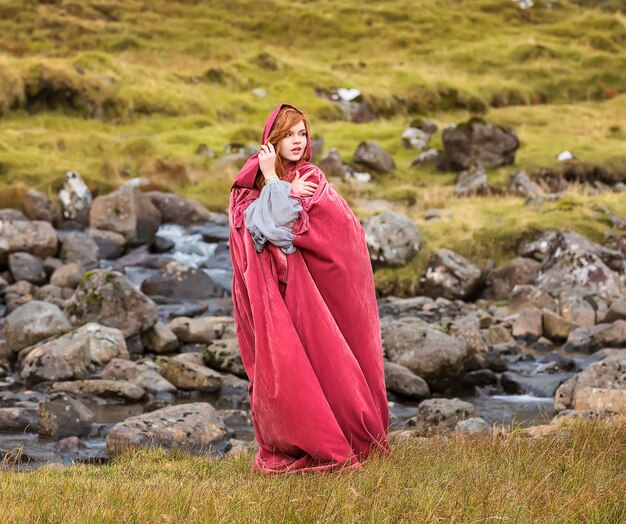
{"type": "Point", "coordinates": [115, 90]}
{"type": "Point", "coordinates": [575, 474]}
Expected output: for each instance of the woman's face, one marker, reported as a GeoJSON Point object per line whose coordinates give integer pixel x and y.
{"type": "Point", "coordinates": [292, 146]}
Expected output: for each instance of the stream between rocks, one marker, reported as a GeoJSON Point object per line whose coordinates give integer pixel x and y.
{"type": "Point", "coordinates": [204, 246]}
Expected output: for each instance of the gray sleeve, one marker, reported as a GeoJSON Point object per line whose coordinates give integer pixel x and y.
{"type": "Point", "coordinates": [271, 216]}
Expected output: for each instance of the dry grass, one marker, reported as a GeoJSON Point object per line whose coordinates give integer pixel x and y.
{"type": "Point", "coordinates": [575, 474]}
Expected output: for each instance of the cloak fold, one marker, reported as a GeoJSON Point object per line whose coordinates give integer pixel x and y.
{"type": "Point", "coordinates": [308, 331]}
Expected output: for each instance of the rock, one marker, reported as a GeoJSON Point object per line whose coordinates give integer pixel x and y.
{"type": "Point", "coordinates": [160, 339]}
{"type": "Point", "coordinates": [429, 157]}
{"type": "Point", "coordinates": [525, 295]}
{"type": "Point", "coordinates": [73, 355]}
{"type": "Point", "coordinates": [440, 415]}
{"type": "Point", "coordinates": [76, 199]}
{"type": "Point", "coordinates": [37, 206]}
{"type": "Point", "coordinates": [477, 142]}
{"type": "Point", "coordinates": [436, 357]}
{"type": "Point", "coordinates": [332, 165]}
{"type": "Point", "coordinates": [392, 239]}
{"type": "Point", "coordinates": [521, 184]}
{"type": "Point", "coordinates": [617, 311]}
{"type": "Point", "coordinates": [555, 326]}
{"type": "Point", "coordinates": [35, 237]}
{"type": "Point", "coordinates": [473, 426]}
{"type": "Point", "coordinates": [529, 324]}
{"type": "Point", "coordinates": [604, 335]}
{"type": "Point", "coordinates": [61, 415]}
{"type": "Point", "coordinates": [179, 281]}
{"type": "Point", "coordinates": [237, 447]}
{"type": "Point", "coordinates": [224, 355]}
{"type": "Point", "coordinates": [600, 399]}
{"type": "Point", "coordinates": [79, 247]}
{"type": "Point", "coordinates": [129, 212]}
{"type": "Point", "coordinates": [479, 377]}
{"type": "Point", "coordinates": [195, 427]}
{"type": "Point", "coordinates": [575, 265]}
{"type": "Point", "coordinates": [68, 275]}
{"type": "Point", "coordinates": [472, 181]}
{"type": "Point", "coordinates": [538, 248]}
{"type": "Point", "coordinates": [373, 156]}
{"type": "Point", "coordinates": [201, 329]}
{"type": "Point", "coordinates": [414, 138]}
{"type": "Point", "coordinates": [25, 266]}
{"type": "Point", "coordinates": [144, 374]}
{"type": "Point", "coordinates": [110, 244]}
{"type": "Point", "coordinates": [518, 271]}
{"type": "Point", "coordinates": [109, 298]}
{"type": "Point", "coordinates": [186, 375]}
{"type": "Point", "coordinates": [19, 419]}
{"type": "Point", "coordinates": [33, 322]}
{"type": "Point", "coordinates": [601, 386]}
{"type": "Point", "coordinates": [577, 310]}
{"type": "Point", "coordinates": [450, 275]}
{"type": "Point", "coordinates": [402, 381]}
{"type": "Point", "coordinates": [539, 384]}
{"type": "Point", "coordinates": [178, 210]}
{"type": "Point", "coordinates": [101, 388]}
{"type": "Point", "coordinates": [10, 214]}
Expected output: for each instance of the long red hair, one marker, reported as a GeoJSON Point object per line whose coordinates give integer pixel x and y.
{"type": "Point", "coordinates": [285, 120]}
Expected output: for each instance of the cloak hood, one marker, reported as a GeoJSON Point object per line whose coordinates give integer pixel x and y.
{"type": "Point", "coordinates": [247, 174]}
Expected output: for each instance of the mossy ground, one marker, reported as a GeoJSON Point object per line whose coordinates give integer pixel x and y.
{"type": "Point", "coordinates": [116, 89]}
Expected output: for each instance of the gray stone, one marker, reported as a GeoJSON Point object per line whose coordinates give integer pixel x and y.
{"type": "Point", "coordinates": [33, 322]}
{"type": "Point", "coordinates": [109, 298]}
{"type": "Point", "coordinates": [195, 427]}
{"type": "Point", "coordinates": [392, 238]}
{"type": "Point", "coordinates": [61, 415]}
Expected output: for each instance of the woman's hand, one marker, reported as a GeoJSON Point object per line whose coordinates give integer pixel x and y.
{"type": "Point", "coordinates": [267, 160]}
{"type": "Point", "coordinates": [301, 186]}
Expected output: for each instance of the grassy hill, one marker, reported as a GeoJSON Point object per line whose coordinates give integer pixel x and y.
{"type": "Point", "coordinates": [116, 89]}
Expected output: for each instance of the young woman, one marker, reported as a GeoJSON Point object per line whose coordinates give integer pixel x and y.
{"type": "Point", "coordinates": [305, 310]}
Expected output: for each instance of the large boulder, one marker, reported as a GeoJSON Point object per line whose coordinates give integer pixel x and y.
{"type": "Point", "coordinates": [520, 270]}
{"type": "Point", "coordinates": [402, 381]}
{"type": "Point", "coordinates": [392, 238]}
{"type": "Point", "coordinates": [450, 275]}
{"type": "Point", "coordinates": [440, 415]}
{"type": "Point", "coordinates": [187, 375]}
{"type": "Point", "coordinates": [127, 211]}
{"type": "Point", "coordinates": [436, 357]}
{"type": "Point", "coordinates": [144, 374]}
{"type": "Point", "coordinates": [575, 265]}
{"type": "Point", "coordinates": [202, 329]}
{"type": "Point", "coordinates": [179, 281]}
{"type": "Point", "coordinates": [24, 266]}
{"type": "Point", "coordinates": [195, 427]}
{"type": "Point", "coordinates": [61, 415]}
{"type": "Point", "coordinates": [224, 355]}
{"type": "Point", "coordinates": [37, 206]}
{"type": "Point", "coordinates": [476, 142]}
{"type": "Point", "coordinates": [604, 335]}
{"type": "Point", "coordinates": [33, 322]}
{"type": "Point", "coordinates": [601, 386]}
{"type": "Point", "coordinates": [373, 156]}
{"type": "Point", "coordinates": [79, 247]}
{"type": "Point", "coordinates": [109, 298]}
{"type": "Point", "coordinates": [73, 355]}
{"type": "Point", "coordinates": [36, 237]}
{"type": "Point", "coordinates": [175, 209]}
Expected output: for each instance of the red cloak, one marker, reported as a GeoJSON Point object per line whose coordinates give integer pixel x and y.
{"type": "Point", "coordinates": [309, 332]}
